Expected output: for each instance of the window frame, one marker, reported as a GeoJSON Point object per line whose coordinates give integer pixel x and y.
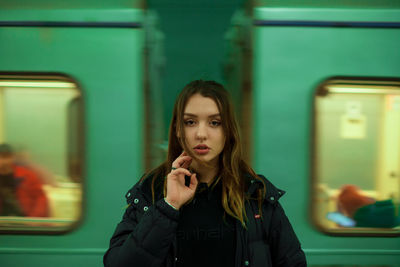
{"type": "Point", "coordinates": [321, 91]}
{"type": "Point", "coordinates": [56, 77]}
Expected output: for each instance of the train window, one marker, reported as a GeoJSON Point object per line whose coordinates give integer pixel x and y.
{"type": "Point", "coordinates": [40, 153]}
{"type": "Point", "coordinates": [356, 157]}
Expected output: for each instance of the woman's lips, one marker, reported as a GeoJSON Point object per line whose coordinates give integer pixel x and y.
{"type": "Point", "coordinates": [202, 151]}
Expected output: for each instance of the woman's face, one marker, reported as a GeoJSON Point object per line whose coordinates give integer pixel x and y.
{"type": "Point", "coordinates": [203, 128]}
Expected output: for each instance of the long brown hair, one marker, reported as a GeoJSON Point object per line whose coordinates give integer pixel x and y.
{"type": "Point", "coordinates": [232, 164]}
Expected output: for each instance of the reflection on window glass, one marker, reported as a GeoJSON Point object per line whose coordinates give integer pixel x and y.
{"type": "Point", "coordinates": [357, 157]}
{"type": "Point", "coordinates": [40, 153]}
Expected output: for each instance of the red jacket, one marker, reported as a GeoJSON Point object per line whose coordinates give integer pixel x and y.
{"type": "Point", "coordinates": [29, 192]}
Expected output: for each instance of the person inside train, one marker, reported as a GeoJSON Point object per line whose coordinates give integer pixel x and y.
{"type": "Point", "coordinates": [21, 192]}
{"type": "Point", "coordinates": [22, 157]}
{"type": "Point", "coordinates": [204, 206]}
{"type": "Point", "coordinates": [366, 211]}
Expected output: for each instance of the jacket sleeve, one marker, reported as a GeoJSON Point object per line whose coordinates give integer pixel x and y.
{"type": "Point", "coordinates": [145, 234]}
{"type": "Point", "coordinates": [285, 247]}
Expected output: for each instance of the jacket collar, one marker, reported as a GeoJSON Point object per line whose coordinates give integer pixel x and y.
{"type": "Point", "coordinates": [272, 194]}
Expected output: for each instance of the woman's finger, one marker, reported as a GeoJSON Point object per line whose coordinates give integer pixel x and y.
{"type": "Point", "coordinates": [174, 163]}
{"type": "Point", "coordinates": [187, 163]}
{"type": "Point", "coordinates": [193, 182]}
{"type": "Point", "coordinates": [181, 171]}
{"type": "Point", "coordinates": [179, 162]}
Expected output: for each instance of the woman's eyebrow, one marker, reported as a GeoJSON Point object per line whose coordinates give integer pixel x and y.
{"type": "Point", "coordinates": [194, 115]}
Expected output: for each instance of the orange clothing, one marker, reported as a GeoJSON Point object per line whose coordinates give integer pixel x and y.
{"type": "Point", "coordinates": [29, 193]}
{"type": "Point", "coordinates": [351, 199]}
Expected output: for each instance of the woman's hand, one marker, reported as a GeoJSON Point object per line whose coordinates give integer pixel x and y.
{"type": "Point", "coordinates": [177, 192]}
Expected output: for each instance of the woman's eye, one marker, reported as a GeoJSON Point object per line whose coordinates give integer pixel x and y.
{"type": "Point", "coordinates": [189, 122]}
{"type": "Point", "coordinates": [215, 123]}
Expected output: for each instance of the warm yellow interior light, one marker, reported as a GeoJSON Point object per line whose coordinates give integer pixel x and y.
{"type": "Point", "coordinates": [40, 84]}
{"type": "Point", "coordinates": [393, 90]}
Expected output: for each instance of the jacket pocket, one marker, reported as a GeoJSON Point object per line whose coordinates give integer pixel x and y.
{"type": "Point", "coordinates": [260, 255]}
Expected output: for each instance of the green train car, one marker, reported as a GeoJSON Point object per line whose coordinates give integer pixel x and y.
{"type": "Point", "coordinates": [317, 89]}
{"type": "Point", "coordinates": [317, 85]}
{"type": "Point", "coordinates": [76, 79]}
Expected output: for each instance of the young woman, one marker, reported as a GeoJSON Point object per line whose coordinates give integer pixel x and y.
{"type": "Point", "coordinates": [204, 206]}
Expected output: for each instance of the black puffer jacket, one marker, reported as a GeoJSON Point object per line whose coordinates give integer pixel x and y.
{"type": "Point", "coordinates": [146, 236]}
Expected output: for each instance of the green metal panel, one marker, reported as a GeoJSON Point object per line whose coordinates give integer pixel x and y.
{"type": "Point", "coordinates": [74, 4]}
{"type": "Point", "coordinates": [345, 4]}
{"type": "Point", "coordinates": [72, 15]}
{"type": "Point", "coordinates": [108, 65]}
{"type": "Point", "coordinates": [327, 14]}
{"type": "Point", "coordinates": [72, 11]}
{"type": "Point", "coordinates": [335, 11]}
{"type": "Point", "coordinates": [289, 62]}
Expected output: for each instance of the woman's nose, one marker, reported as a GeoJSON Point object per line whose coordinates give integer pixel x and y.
{"type": "Point", "coordinates": [201, 132]}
